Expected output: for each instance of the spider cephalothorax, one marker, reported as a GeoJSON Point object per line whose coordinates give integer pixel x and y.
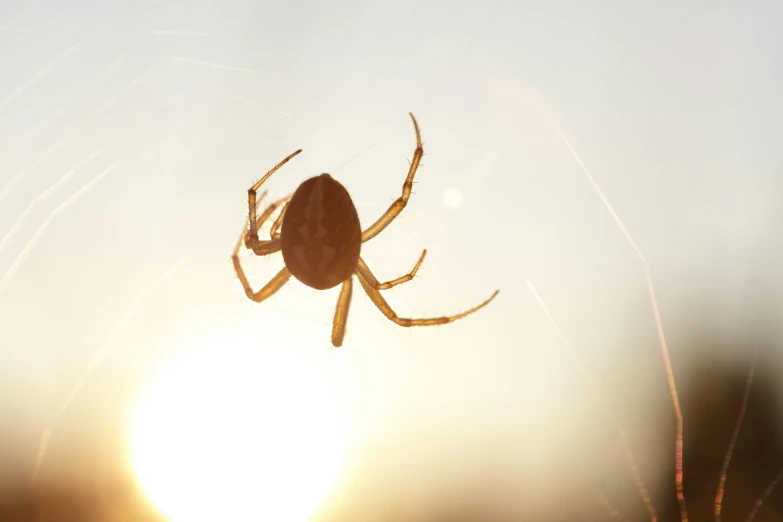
{"type": "Point", "coordinates": [321, 241]}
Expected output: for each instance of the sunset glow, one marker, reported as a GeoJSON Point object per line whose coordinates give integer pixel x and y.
{"type": "Point", "coordinates": [238, 431]}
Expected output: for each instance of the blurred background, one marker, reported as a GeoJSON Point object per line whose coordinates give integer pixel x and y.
{"type": "Point", "coordinates": [570, 150]}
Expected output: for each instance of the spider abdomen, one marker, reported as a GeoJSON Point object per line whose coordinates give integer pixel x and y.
{"type": "Point", "coordinates": [321, 235]}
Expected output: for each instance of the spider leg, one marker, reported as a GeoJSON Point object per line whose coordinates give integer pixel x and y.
{"type": "Point", "coordinates": [275, 284]}
{"type": "Point", "coordinates": [261, 247]}
{"type": "Point", "coordinates": [280, 279]}
{"type": "Point", "coordinates": [341, 313]}
{"type": "Point", "coordinates": [370, 278]}
{"type": "Point", "coordinates": [274, 232]}
{"type": "Point", "coordinates": [264, 247]}
{"type": "Point", "coordinates": [399, 204]}
{"type": "Point", "coordinates": [364, 274]}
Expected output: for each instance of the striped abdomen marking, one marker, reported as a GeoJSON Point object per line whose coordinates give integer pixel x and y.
{"type": "Point", "coordinates": [321, 234]}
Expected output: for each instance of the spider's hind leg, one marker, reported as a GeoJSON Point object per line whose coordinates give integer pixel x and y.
{"type": "Point", "coordinates": [275, 284]}
{"type": "Point", "coordinates": [270, 288]}
{"type": "Point", "coordinates": [341, 313]}
{"type": "Point", "coordinates": [407, 187]}
{"type": "Point", "coordinates": [370, 277]}
{"type": "Point", "coordinates": [365, 276]}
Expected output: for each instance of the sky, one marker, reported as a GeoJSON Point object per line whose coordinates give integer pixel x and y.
{"type": "Point", "coordinates": [570, 150]}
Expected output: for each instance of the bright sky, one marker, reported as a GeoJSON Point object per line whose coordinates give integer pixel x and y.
{"type": "Point", "coordinates": [131, 131]}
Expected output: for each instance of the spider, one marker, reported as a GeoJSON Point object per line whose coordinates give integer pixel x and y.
{"type": "Point", "coordinates": [319, 233]}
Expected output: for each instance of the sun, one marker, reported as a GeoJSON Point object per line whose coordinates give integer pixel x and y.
{"type": "Point", "coordinates": [241, 429]}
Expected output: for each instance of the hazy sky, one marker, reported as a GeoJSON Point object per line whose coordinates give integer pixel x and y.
{"type": "Point", "coordinates": [167, 111]}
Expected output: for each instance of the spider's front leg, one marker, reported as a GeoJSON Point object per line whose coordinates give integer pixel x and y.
{"type": "Point", "coordinates": [274, 232]}
{"type": "Point", "coordinates": [252, 241]}
{"type": "Point", "coordinates": [258, 246]}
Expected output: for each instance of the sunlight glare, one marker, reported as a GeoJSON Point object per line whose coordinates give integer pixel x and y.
{"type": "Point", "coordinates": [239, 430]}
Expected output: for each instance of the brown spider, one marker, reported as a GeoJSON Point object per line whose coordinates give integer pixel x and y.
{"type": "Point", "coordinates": [321, 240]}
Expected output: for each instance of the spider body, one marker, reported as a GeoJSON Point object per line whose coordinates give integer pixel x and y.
{"type": "Point", "coordinates": [318, 231]}
{"type": "Point", "coordinates": [321, 237]}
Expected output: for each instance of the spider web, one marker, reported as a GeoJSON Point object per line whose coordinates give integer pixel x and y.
{"type": "Point", "coordinates": [112, 211]}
